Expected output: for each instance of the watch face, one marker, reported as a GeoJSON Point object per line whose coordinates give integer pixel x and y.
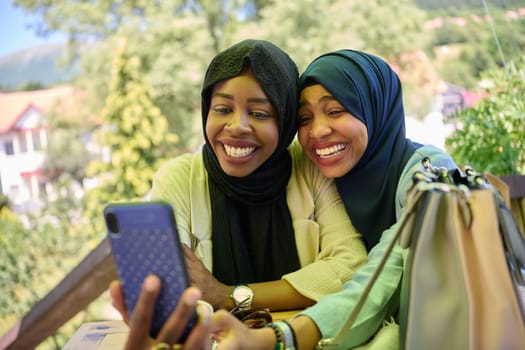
{"type": "Point", "coordinates": [242, 294]}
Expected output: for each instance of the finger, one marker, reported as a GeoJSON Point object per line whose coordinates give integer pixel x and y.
{"type": "Point", "coordinates": [200, 336]}
{"type": "Point", "coordinates": [176, 323]}
{"type": "Point", "coordinates": [222, 321]}
{"type": "Point", "coordinates": [188, 253]}
{"type": "Point", "coordinates": [117, 299]}
{"type": "Point", "coordinates": [227, 329]}
{"type": "Point", "coordinates": [141, 319]}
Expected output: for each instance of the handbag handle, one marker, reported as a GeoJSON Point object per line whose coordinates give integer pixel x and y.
{"type": "Point", "coordinates": [440, 179]}
{"type": "Point", "coordinates": [410, 209]}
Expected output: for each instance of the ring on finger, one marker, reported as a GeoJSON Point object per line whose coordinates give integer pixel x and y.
{"type": "Point", "coordinates": [177, 347]}
{"type": "Point", "coordinates": [162, 346]}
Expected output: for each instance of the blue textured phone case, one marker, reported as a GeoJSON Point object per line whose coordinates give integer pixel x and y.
{"type": "Point", "coordinates": [148, 243]}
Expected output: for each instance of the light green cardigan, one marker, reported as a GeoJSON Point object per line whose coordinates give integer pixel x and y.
{"type": "Point", "coordinates": [329, 248]}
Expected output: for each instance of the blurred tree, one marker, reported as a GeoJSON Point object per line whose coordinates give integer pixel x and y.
{"type": "Point", "coordinates": [490, 134]}
{"type": "Point", "coordinates": [134, 139]}
{"type": "Point", "coordinates": [156, 76]}
{"type": "Point", "coordinates": [472, 47]}
{"type": "Point", "coordinates": [30, 86]}
{"type": "Point", "coordinates": [36, 255]}
{"type": "Point", "coordinates": [390, 28]}
{"type": "Point", "coordinates": [4, 202]}
{"type": "Point", "coordinates": [305, 29]}
{"type": "Point", "coordinates": [66, 153]}
{"type": "Point", "coordinates": [180, 36]}
{"type": "Point", "coordinates": [469, 4]}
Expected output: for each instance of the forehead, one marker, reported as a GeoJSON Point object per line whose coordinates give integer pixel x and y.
{"type": "Point", "coordinates": [313, 94]}
{"type": "Point", "coordinates": [243, 83]}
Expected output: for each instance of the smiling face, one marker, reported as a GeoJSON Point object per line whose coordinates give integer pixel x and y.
{"type": "Point", "coordinates": [331, 137]}
{"type": "Point", "coordinates": [241, 125]}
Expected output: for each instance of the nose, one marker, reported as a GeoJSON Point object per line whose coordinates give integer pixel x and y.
{"type": "Point", "coordinates": [239, 123]}
{"type": "Point", "coordinates": [319, 127]}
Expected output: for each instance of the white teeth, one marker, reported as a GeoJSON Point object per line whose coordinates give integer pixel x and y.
{"type": "Point", "coordinates": [238, 152]}
{"type": "Point", "coordinates": [330, 151]}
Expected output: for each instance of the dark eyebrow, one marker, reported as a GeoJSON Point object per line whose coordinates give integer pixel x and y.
{"type": "Point", "coordinates": [325, 98]}
{"type": "Point", "coordinates": [251, 99]}
{"type": "Point", "coordinates": [220, 94]}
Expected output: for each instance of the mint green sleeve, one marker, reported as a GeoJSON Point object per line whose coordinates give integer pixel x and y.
{"type": "Point", "coordinates": [330, 313]}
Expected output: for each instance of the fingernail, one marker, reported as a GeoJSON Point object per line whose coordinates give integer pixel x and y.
{"type": "Point", "coordinates": [114, 284]}
{"type": "Point", "coordinates": [191, 296]}
{"type": "Point", "coordinates": [204, 313]}
{"type": "Point", "coordinates": [152, 283]}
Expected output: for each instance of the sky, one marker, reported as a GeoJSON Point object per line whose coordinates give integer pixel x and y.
{"type": "Point", "coordinates": [16, 35]}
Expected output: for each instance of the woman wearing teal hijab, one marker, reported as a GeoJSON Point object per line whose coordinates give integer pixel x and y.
{"type": "Point", "coordinates": [370, 91]}
{"type": "Point", "coordinates": [352, 126]}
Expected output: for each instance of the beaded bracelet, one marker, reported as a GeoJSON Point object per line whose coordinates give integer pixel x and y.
{"type": "Point", "coordinates": [294, 338]}
{"type": "Point", "coordinates": [279, 345]}
{"type": "Point", "coordinates": [288, 334]}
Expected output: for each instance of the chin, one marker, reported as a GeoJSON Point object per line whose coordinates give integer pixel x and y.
{"type": "Point", "coordinates": [333, 171]}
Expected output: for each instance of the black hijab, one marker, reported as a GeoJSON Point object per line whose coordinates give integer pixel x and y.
{"type": "Point", "coordinates": [252, 233]}
{"type": "Point", "coordinates": [369, 89]}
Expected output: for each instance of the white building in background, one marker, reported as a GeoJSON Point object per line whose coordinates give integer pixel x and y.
{"type": "Point", "coordinates": [23, 141]}
{"type": "Point", "coordinates": [437, 125]}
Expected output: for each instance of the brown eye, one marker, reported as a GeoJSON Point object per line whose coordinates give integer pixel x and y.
{"type": "Point", "coordinates": [303, 120]}
{"type": "Point", "coordinates": [260, 115]}
{"type": "Point", "coordinates": [222, 110]}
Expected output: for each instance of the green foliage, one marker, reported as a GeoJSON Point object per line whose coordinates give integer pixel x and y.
{"type": "Point", "coordinates": [31, 85]}
{"type": "Point", "coordinates": [134, 136]}
{"type": "Point", "coordinates": [145, 92]}
{"type": "Point", "coordinates": [16, 267]}
{"type": "Point", "coordinates": [4, 202]}
{"type": "Point", "coordinates": [64, 141]}
{"type": "Point", "coordinates": [490, 137]}
{"type": "Point", "coordinates": [37, 255]}
{"type": "Point", "coordinates": [463, 4]}
{"type": "Point", "coordinates": [477, 46]}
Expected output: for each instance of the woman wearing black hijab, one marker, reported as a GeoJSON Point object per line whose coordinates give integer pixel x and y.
{"type": "Point", "coordinates": [242, 204]}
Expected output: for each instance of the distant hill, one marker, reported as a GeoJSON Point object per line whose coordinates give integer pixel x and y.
{"type": "Point", "coordinates": [34, 65]}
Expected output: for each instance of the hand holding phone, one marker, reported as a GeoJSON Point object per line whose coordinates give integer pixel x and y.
{"type": "Point", "coordinates": [144, 240]}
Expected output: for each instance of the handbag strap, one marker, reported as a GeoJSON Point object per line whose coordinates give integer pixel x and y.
{"type": "Point", "coordinates": [410, 209]}
{"type": "Point", "coordinates": [431, 178]}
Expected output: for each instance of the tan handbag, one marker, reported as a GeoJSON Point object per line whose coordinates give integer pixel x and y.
{"type": "Point", "coordinates": [458, 291]}
{"type": "Point", "coordinates": [463, 268]}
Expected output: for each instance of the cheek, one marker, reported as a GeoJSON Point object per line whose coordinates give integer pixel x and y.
{"type": "Point", "coordinates": [302, 135]}
{"type": "Point", "coordinates": [272, 137]}
{"type": "Point", "coordinates": [268, 133]}
{"type": "Point", "coordinates": [211, 127]}
{"type": "Point", "coordinates": [362, 141]}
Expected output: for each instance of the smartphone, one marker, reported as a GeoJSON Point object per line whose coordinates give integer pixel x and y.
{"type": "Point", "coordinates": [144, 240]}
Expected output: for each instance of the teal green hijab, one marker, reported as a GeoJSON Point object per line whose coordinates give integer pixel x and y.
{"type": "Point", "coordinates": [369, 89]}
{"type": "Point", "coordinates": [252, 232]}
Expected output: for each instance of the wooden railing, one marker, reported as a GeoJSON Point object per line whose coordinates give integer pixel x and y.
{"type": "Point", "coordinates": [73, 294]}
{"type": "Point", "coordinates": [92, 277]}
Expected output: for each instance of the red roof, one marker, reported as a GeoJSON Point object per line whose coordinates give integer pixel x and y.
{"type": "Point", "coordinates": [13, 105]}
